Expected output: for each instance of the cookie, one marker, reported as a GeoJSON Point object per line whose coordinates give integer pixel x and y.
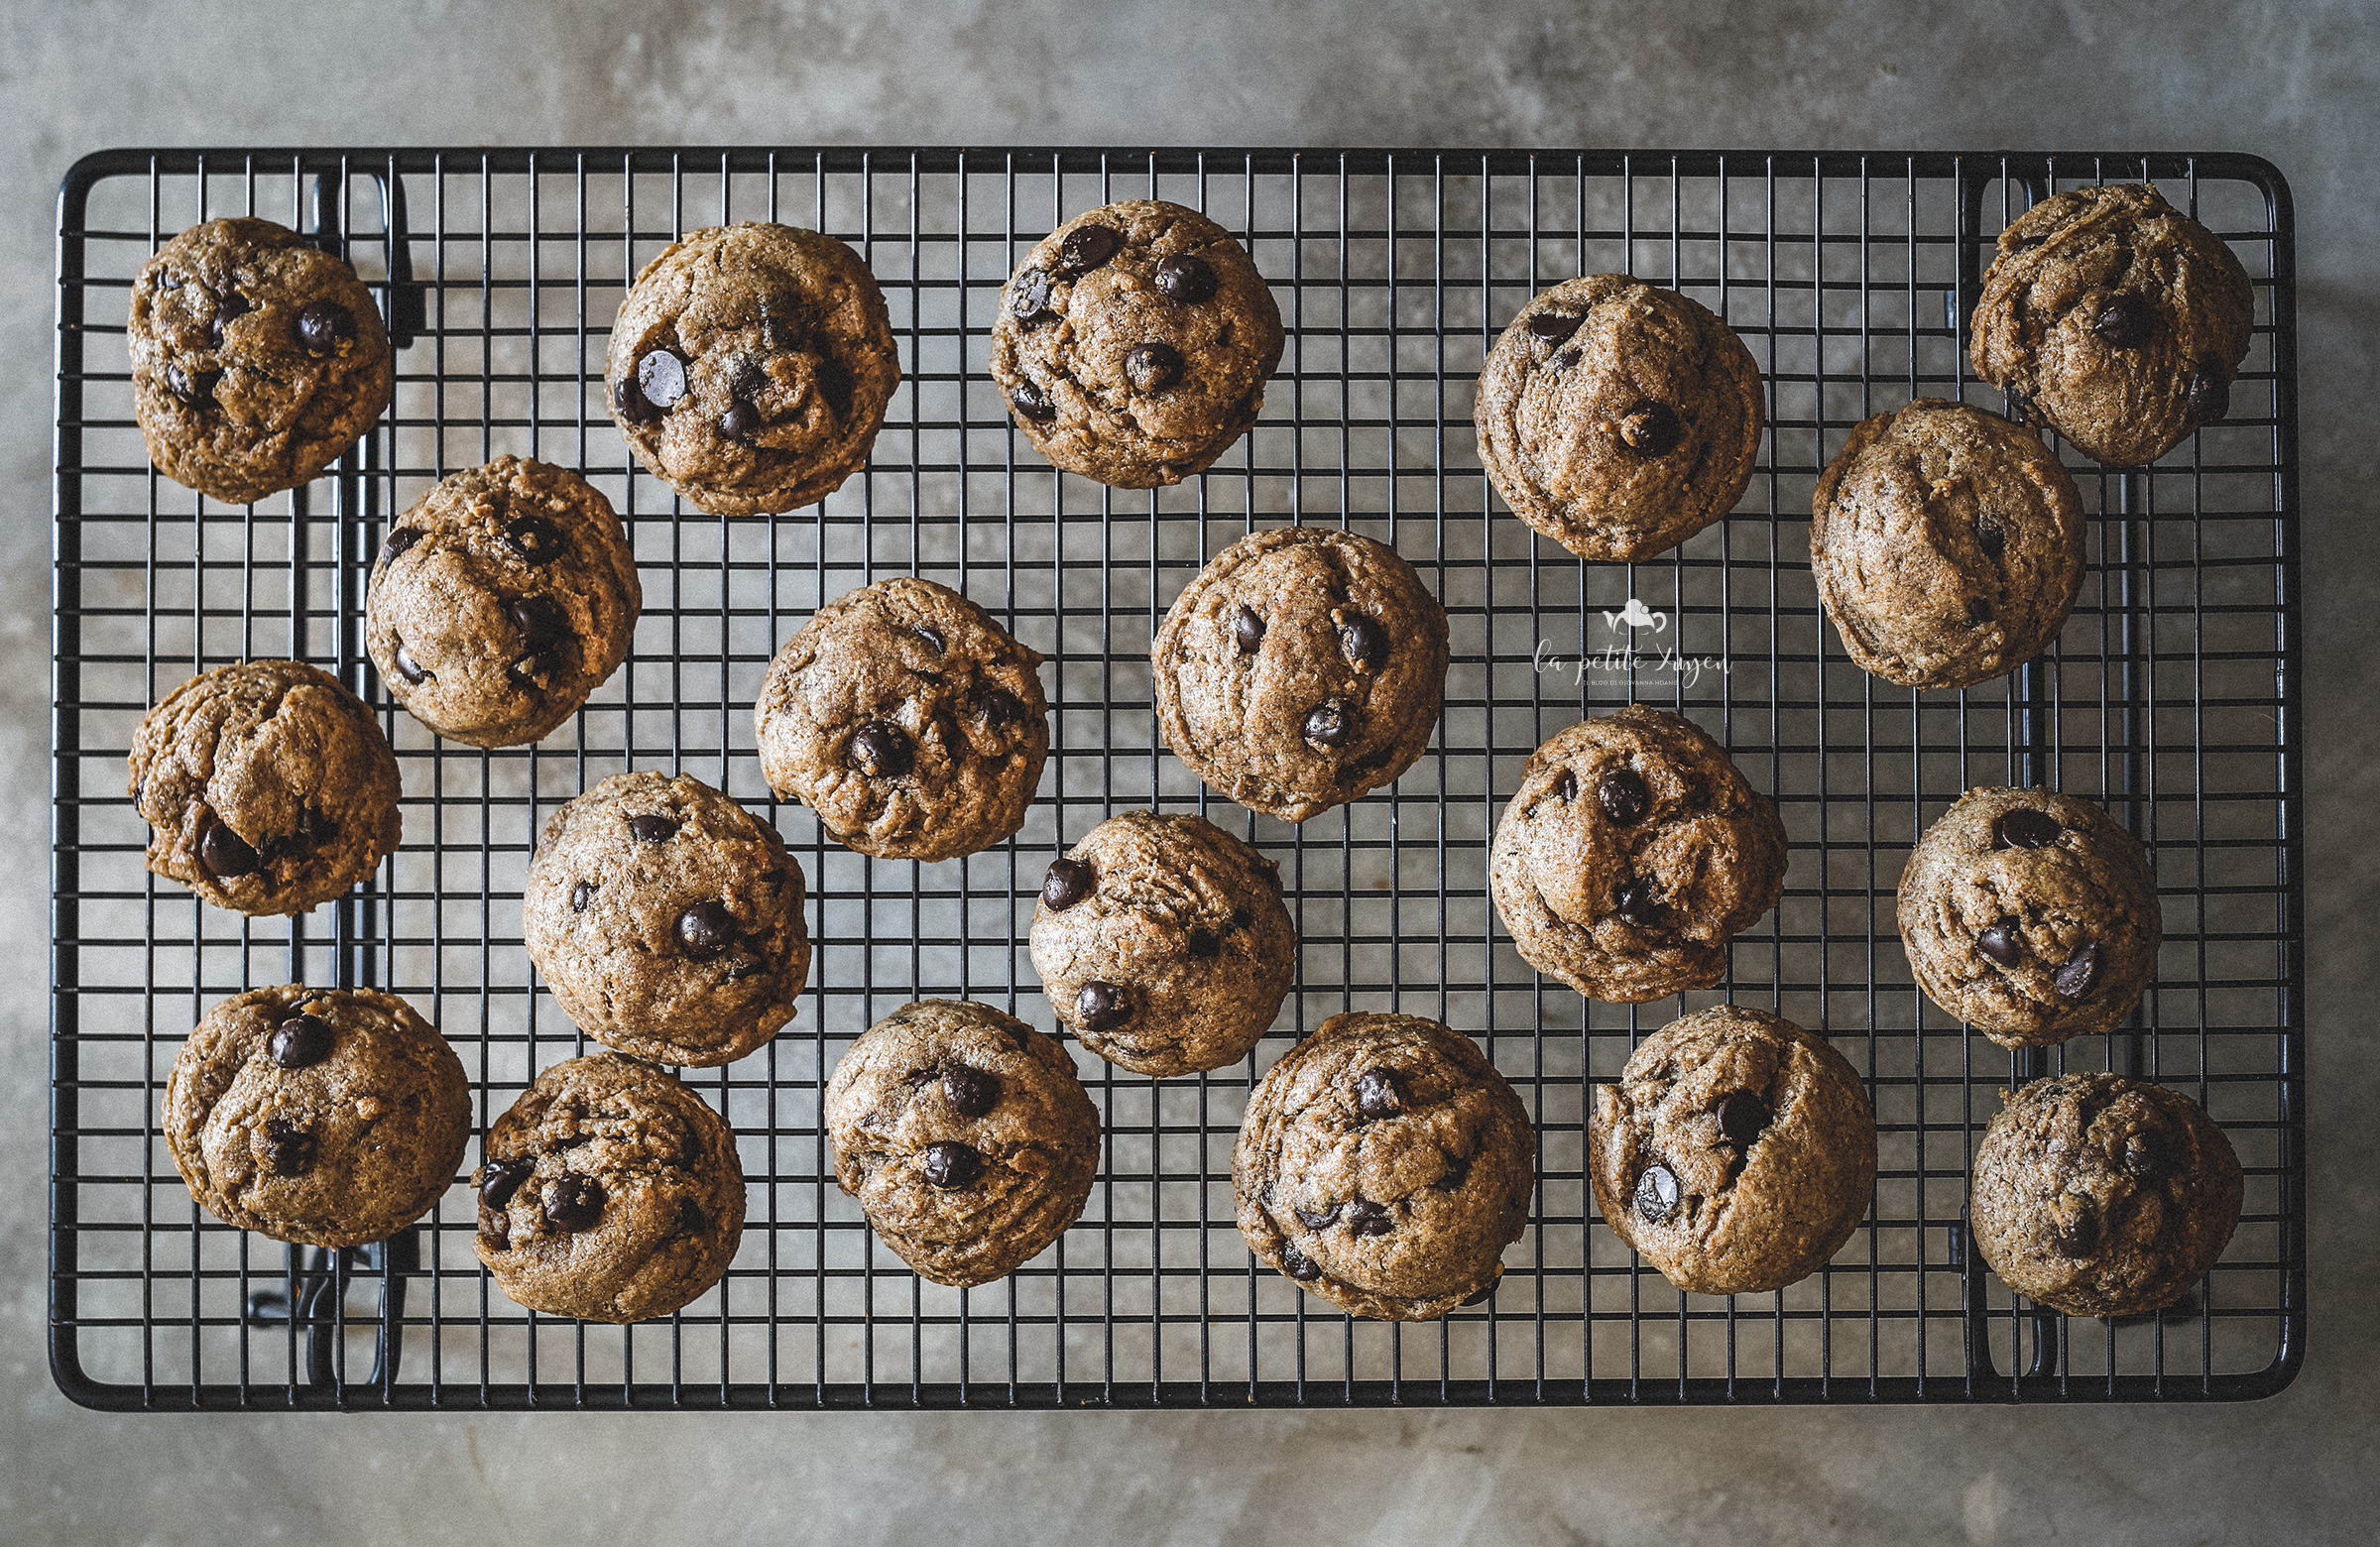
{"type": "Point", "coordinates": [1616, 418]}
{"type": "Point", "coordinates": [1948, 544]}
{"type": "Point", "coordinates": [750, 366]}
{"type": "Point", "coordinates": [501, 600]}
{"type": "Point", "coordinates": [609, 1192]}
{"type": "Point", "coordinates": [966, 1137]}
{"type": "Point", "coordinates": [268, 786]}
{"type": "Point", "coordinates": [257, 359]}
{"type": "Point", "coordinates": [2030, 915]}
{"type": "Point", "coordinates": [1633, 852]}
{"type": "Point", "coordinates": [2103, 1196]}
{"type": "Point", "coordinates": [2120, 320]}
{"type": "Point", "coordinates": [1134, 343]}
{"type": "Point", "coordinates": [1163, 942]}
{"type": "Point", "coordinates": [666, 919]}
{"type": "Point", "coordinates": [1737, 1154]}
{"type": "Point", "coordinates": [1385, 1165]}
{"type": "Point", "coordinates": [324, 1116]}
{"type": "Point", "coordinates": [909, 720]}
{"type": "Point", "coordinates": [1302, 667]}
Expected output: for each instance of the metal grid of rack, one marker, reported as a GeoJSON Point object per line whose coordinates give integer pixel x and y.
{"type": "Point", "coordinates": [2170, 696]}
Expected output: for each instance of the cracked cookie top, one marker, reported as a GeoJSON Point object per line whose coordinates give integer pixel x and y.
{"type": "Point", "coordinates": [1134, 343]}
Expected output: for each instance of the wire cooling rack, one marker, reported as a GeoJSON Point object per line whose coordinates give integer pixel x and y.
{"type": "Point", "coordinates": [2170, 696]}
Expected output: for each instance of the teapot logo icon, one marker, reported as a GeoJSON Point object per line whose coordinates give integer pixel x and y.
{"type": "Point", "coordinates": [1636, 616]}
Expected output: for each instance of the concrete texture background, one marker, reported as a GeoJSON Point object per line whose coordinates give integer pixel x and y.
{"type": "Point", "coordinates": [2294, 82]}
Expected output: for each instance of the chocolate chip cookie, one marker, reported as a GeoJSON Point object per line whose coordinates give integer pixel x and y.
{"type": "Point", "coordinates": [909, 720]}
{"type": "Point", "coordinates": [325, 1116]}
{"type": "Point", "coordinates": [2103, 1196]}
{"type": "Point", "coordinates": [1163, 942]}
{"type": "Point", "coordinates": [269, 784]}
{"type": "Point", "coordinates": [1134, 343]}
{"type": "Point", "coordinates": [2121, 320]}
{"type": "Point", "coordinates": [1616, 418]}
{"type": "Point", "coordinates": [1947, 542]}
{"type": "Point", "coordinates": [2032, 915]}
{"type": "Point", "coordinates": [1633, 852]}
{"type": "Point", "coordinates": [609, 1192]}
{"type": "Point", "coordinates": [1736, 1153]}
{"type": "Point", "coordinates": [1303, 666]}
{"type": "Point", "coordinates": [257, 358]}
{"type": "Point", "coordinates": [965, 1134]}
{"type": "Point", "coordinates": [667, 919]}
{"type": "Point", "coordinates": [501, 601]}
{"type": "Point", "coordinates": [750, 366]}
{"type": "Point", "coordinates": [1385, 1165]}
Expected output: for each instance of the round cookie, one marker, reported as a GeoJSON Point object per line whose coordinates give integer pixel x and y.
{"type": "Point", "coordinates": [750, 366]}
{"type": "Point", "coordinates": [909, 720]}
{"type": "Point", "coordinates": [1302, 667]}
{"type": "Point", "coordinates": [325, 1116]}
{"type": "Point", "coordinates": [609, 1192]}
{"type": "Point", "coordinates": [1947, 542]}
{"type": "Point", "coordinates": [1736, 1153]}
{"type": "Point", "coordinates": [1616, 418]}
{"type": "Point", "coordinates": [2121, 321]}
{"type": "Point", "coordinates": [501, 600]}
{"type": "Point", "coordinates": [666, 919]}
{"type": "Point", "coordinates": [1633, 852]}
{"type": "Point", "coordinates": [257, 358]}
{"type": "Point", "coordinates": [966, 1137]}
{"type": "Point", "coordinates": [1134, 343]}
{"type": "Point", "coordinates": [2030, 915]}
{"type": "Point", "coordinates": [1385, 1165]}
{"type": "Point", "coordinates": [269, 784]}
{"type": "Point", "coordinates": [1163, 942]}
{"type": "Point", "coordinates": [2103, 1196]}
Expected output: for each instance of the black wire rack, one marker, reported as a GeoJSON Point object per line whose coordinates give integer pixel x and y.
{"type": "Point", "coordinates": [2170, 696]}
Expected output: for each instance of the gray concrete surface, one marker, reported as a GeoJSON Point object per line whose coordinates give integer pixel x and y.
{"type": "Point", "coordinates": [2295, 82]}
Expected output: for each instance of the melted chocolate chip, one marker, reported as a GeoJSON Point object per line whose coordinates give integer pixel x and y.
{"type": "Point", "coordinates": [1330, 723]}
{"type": "Point", "coordinates": [1298, 1266]}
{"type": "Point", "coordinates": [573, 1203]}
{"type": "Point", "coordinates": [534, 538]}
{"type": "Point", "coordinates": [1067, 883]}
{"type": "Point", "coordinates": [1203, 945]}
{"type": "Point", "coordinates": [398, 541]}
{"type": "Point", "coordinates": [1742, 1117]}
{"type": "Point", "coordinates": [1999, 942]}
{"type": "Point", "coordinates": [1378, 1095]}
{"type": "Point", "coordinates": [999, 706]}
{"type": "Point", "coordinates": [1366, 1218]}
{"type": "Point", "coordinates": [538, 618]}
{"type": "Point", "coordinates": [932, 636]}
{"type": "Point", "coordinates": [1979, 611]}
{"type": "Point", "coordinates": [1102, 1005]}
{"type": "Point", "coordinates": [1085, 248]}
{"type": "Point", "coordinates": [1656, 1196]}
{"type": "Point", "coordinates": [322, 324]}
{"type": "Point", "coordinates": [1152, 367]}
{"type": "Point", "coordinates": [1317, 1219]}
{"type": "Point", "coordinates": [2025, 828]}
{"type": "Point", "coordinates": [1623, 797]}
{"type": "Point", "coordinates": [661, 378]}
{"type": "Point", "coordinates": [1637, 901]}
{"type": "Point", "coordinates": [740, 418]}
{"type": "Point", "coordinates": [500, 1179]}
{"type": "Point", "coordinates": [1363, 642]}
{"type": "Point", "coordinates": [948, 1165]}
{"type": "Point", "coordinates": [192, 385]}
{"type": "Point", "coordinates": [1991, 539]}
{"type": "Point", "coordinates": [706, 929]}
{"type": "Point", "coordinates": [2209, 394]}
{"type": "Point", "coordinates": [2080, 974]}
{"type": "Point", "coordinates": [2075, 1235]}
{"type": "Point", "coordinates": [1248, 630]}
{"type": "Point", "coordinates": [225, 854]}
{"type": "Point", "coordinates": [1032, 401]}
{"type": "Point", "coordinates": [1650, 429]}
{"type": "Point", "coordinates": [1554, 326]}
{"type": "Point", "coordinates": [881, 749]}
{"type": "Point", "coordinates": [2124, 322]}
{"type": "Point", "coordinates": [629, 401]}
{"type": "Point", "coordinates": [1566, 788]}
{"type": "Point", "coordinates": [1029, 296]}
{"type": "Point", "coordinates": [1566, 359]}
{"type": "Point", "coordinates": [408, 669]}
{"type": "Point", "coordinates": [1185, 277]}
{"type": "Point", "coordinates": [2145, 1155]}
{"type": "Point", "coordinates": [652, 828]}
{"type": "Point", "coordinates": [228, 310]}
{"type": "Point", "coordinates": [298, 1042]}
{"type": "Point", "coordinates": [580, 895]}
{"type": "Point", "coordinates": [970, 1092]}
{"type": "Point", "coordinates": [288, 1150]}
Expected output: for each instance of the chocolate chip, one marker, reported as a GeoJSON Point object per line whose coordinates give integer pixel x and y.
{"type": "Point", "coordinates": [706, 928]}
{"type": "Point", "coordinates": [1378, 1095]}
{"type": "Point", "coordinates": [1637, 901]}
{"type": "Point", "coordinates": [1363, 642]}
{"type": "Point", "coordinates": [970, 1092]}
{"type": "Point", "coordinates": [1102, 1005]}
{"type": "Point", "coordinates": [167, 280]}
{"type": "Point", "coordinates": [534, 538]}
{"type": "Point", "coordinates": [1650, 429]}
{"type": "Point", "coordinates": [1554, 326]}
{"type": "Point", "coordinates": [1330, 723]}
{"type": "Point", "coordinates": [2209, 393]}
{"type": "Point", "coordinates": [1243, 916]}
{"type": "Point", "coordinates": [1067, 883]}
{"type": "Point", "coordinates": [315, 827]}
{"type": "Point", "coordinates": [1087, 246]}
{"type": "Point", "coordinates": [225, 854]}
{"type": "Point", "coordinates": [740, 420]}
{"type": "Point", "coordinates": [1248, 630]}
{"type": "Point", "coordinates": [1313, 1220]}
{"type": "Point", "coordinates": [1566, 359]}
{"type": "Point", "coordinates": [2145, 1155]}
{"type": "Point", "coordinates": [2000, 943]}
{"type": "Point", "coordinates": [949, 1165]}
{"type": "Point", "coordinates": [932, 636]}
{"type": "Point", "coordinates": [500, 1179]}
{"type": "Point", "coordinates": [228, 310]}
{"type": "Point", "coordinates": [630, 402]}
{"type": "Point", "coordinates": [1203, 945]}
{"type": "Point", "coordinates": [298, 1042]}
{"type": "Point", "coordinates": [652, 828]}
{"type": "Point", "coordinates": [192, 385]}
{"type": "Point", "coordinates": [1991, 539]}
{"type": "Point", "coordinates": [1032, 401]}
{"type": "Point", "coordinates": [1979, 611]}
{"type": "Point", "coordinates": [1366, 1218]}
{"type": "Point", "coordinates": [538, 618]}
{"type": "Point", "coordinates": [580, 895]}
{"type": "Point", "coordinates": [999, 706]}
{"type": "Point", "coordinates": [2025, 828]}
{"type": "Point", "coordinates": [1623, 797]}
{"type": "Point", "coordinates": [1566, 787]}
{"type": "Point", "coordinates": [407, 669]}
{"type": "Point", "coordinates": [288, 1150]}
{"type": "Point", "coordinates": [2076, 1235]}
{"type": "Point", "coordinates": [1298, 1266]}
{"type": "Point", "coordinates": [1185, 277]}
{"type": "Point", "coordinates": [2124, 322]}
{"type": "Point", "coordinates": [661, 376]}
{"type": "Point", "coordinates": [573, 1203]}
{"type": "Point", "coordinates": [2080, 974]}
{"type": "Point", "coordinates": [1028, 295]}
{"type": "Point", "coordinates": [1742, 1117]}
{"type": "Point", "coordinates": [1152, 367]}
{"type": "Point", "coordinates": [1656, 1194]}
{"type": "Point", "coordinates": [322, 324]}
{"type": "Point", "coordinates": [399, 541]}
{"type": "Point", "coordinates": [881, 749]}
